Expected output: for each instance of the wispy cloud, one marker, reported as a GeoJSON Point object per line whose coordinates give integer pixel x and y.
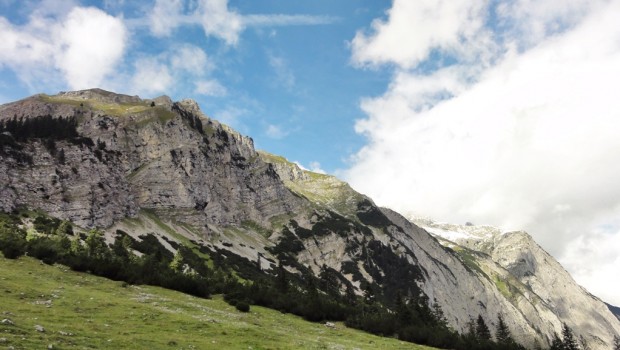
{"type": "Point", "coordinates": [275, 131]}
{"type": "Point", "coordinates": [283, 73]}
{"type": "Point", "coordinates": [151, 76]}
{"type": "Point", "coordinates": [164, 17]}
{"type": "Point", "coordinates": [233, 116]}
{"type": "Point", "coordinates": [314, 166]}
{"type": "Point", "coordinates": [210, 87]}
{"type": "Point", "coordinates": [217, 19]}
{"type": "Point", "coordinates": [276, 20]}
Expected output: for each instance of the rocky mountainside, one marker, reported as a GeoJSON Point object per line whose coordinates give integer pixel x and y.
{"type": "Point", "coordinates": [614, 310]}
{"type": "Point", "coordinates": [158, 167]}
{"type": "Point", "coordinates": [530, 275]}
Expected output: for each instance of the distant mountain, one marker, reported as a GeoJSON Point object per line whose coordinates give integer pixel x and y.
{"type": "Point", "coordinates": [528, 275]}
{"type": "Point", "coordinates": [162, 173]}
{"type": "Point", "coordinates": [614, 310]}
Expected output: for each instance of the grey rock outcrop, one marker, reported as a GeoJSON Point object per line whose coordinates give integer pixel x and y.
{"type": "Point", "coordinates": [541, 289]}
{"type": "Point", "coordinates": [7, 322]}
{"type": "Point", "coordinates": [169, 157]}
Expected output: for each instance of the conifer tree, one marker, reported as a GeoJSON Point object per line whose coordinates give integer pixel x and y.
{"type": "Point", "coordinates": [482, 330]}
{"type": "Point", "coordinates": [369, 294]}
{"type": "Point", "coordinates": [556, 344]}
{"type": "Point", "coordinates": [502, 334]}
{"type": "Point", "coordinates": [402, 310]}
{"type": "Point", "coordinates": [64, 228]}
{"type": "Point", "coordinates": [616, 342]}
{"type": "Point", "coordinates": [438, 315]}
{"type": "Point", "coordinates": [96, 247]}
{"type": "Point", "coordinates": [282, 281]}
{"type": "Point", "coordinates": [177, 262]}
{"type": "Point", "coordinates": [568, 339]}
{"type": "Point", "coordinates": [350, 296]}
{"type": "Point", "coordinates": [329, 281]}
{"type": "Point", "coordinates": [584, 343]}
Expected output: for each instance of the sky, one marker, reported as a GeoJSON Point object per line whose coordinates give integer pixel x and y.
{"type": "Point", "coordinates": [492, 112]}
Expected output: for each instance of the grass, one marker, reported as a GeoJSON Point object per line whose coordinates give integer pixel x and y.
{"type": "Point", "coordinates": [109, 108]}
{"type": "Point", "coordinates": [469, 259]}
{"type": "Point", "coordinates": [512, 289]}
{"type": "Point", "coordinates": [321, 189]}
{"type": "Point", "coordinates": [156, 113]}
{"type": "Point", "coordinates": [502, 287]}
{"type": "Point", "coordinates": [81, 311]}
{"type": "Point", "coordinates": [256, 227]}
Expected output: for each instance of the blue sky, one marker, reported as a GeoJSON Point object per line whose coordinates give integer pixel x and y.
{"type": "Point", "coordinates": [291, 86]}
{"type": "Point", "coordinates": [501, 112]}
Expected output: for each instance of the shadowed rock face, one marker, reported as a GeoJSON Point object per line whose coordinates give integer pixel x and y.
{"type": "Point", "coordinates": [206, 182]}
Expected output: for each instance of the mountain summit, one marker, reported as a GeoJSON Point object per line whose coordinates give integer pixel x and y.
{"type": "Point", "coordinates": [162, 171]}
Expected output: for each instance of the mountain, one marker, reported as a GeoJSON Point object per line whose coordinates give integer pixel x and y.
{"type": "Point", "coordinates": [614, 310]}
{"type": "Point", "coordinates": [161, 172]}
{"type": "Point", "coordinates": [529, 276]}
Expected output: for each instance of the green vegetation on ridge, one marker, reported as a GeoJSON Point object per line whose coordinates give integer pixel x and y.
{"type": "Point", "coordinates": [116, 109]}
{"type": "Point", "coordinates": [322, 189]}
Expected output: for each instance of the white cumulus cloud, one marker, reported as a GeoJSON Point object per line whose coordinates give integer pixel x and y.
{"type": "Point", "coordinates": [414, 28]}
{"type": "Point", "coordinates": [192, 59]}
{"type": "Point", "coordinates": [91, 44]}
{"type": "Point", "coordinates": [82, 48]}
{"type": "Point", "coordinates": [526, 139]}
{"type": "Point", "coordinates": [220, 21]}
{"type": "Point", "coordinates": [151, 76]}
{"type": "Point", "coordinates": [180, 63]}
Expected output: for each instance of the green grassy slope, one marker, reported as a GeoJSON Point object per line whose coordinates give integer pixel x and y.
{"type": "Point", "coordinates": [81, 311]}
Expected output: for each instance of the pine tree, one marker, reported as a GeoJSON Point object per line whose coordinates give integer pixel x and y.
{"type": "Point", "coordinates": [349, 295]}
{"type": "Point", "coordinates": [65, 228]}
{"type": "Point", "coordinates": [502, 334]}
{"type": "Point", "coordinates": [328, 281]}
{"type": "Point", "coordinates": [177, 262]}
{"type": "Point", "coordinates": [556, 344]}
{"type": "Point", "coordinates": [616, 342]}
{"type": "Point", "coordinates": [96, 246]}
{"type": "Point", "coordinates": [438, 315]}
{"type": "Point", "coordinates": [482, 331]}
{"type": "Point", "coordinates": [119, 250]}
{"type": "Point", "coordinates": [281, 281]}
{"type": "Point", "coordinates": [568, 339]}
{"type": "Point", "coordinates": [369, 294]}
{"type": "Point", "coordinates": [403, 313]}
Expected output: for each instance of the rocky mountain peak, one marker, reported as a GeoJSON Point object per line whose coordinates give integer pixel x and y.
{"type": "Point", "coordinates": [99, 95]}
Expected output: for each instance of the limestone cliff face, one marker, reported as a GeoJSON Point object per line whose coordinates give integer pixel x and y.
{"type": "Point", "coordinates": [168, 157]}
{"type": "Point", "coordinates": [533, 281]}
{"type": "Point", "coordinates": [163, 167]}
{"type": "Point", "coordinates": [82, 189]}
